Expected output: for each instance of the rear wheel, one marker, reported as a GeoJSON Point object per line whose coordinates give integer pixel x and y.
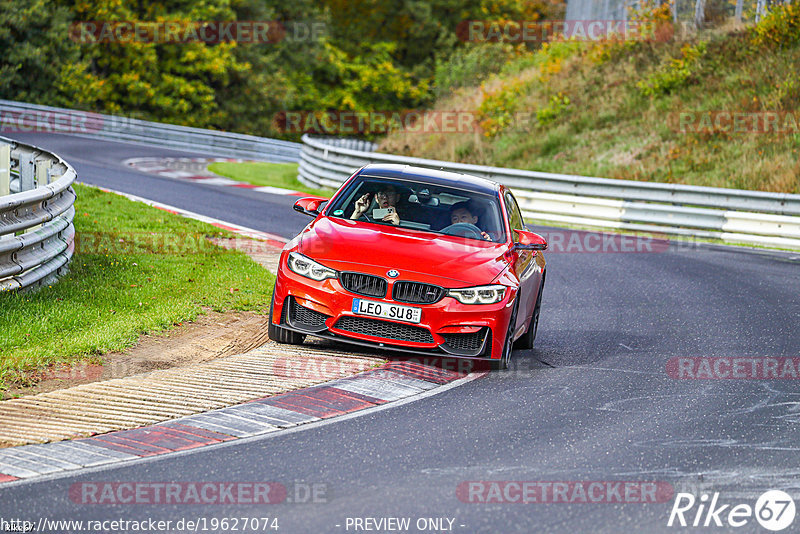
{"type": "Point", "coordinates": [282, 335]}
{"type": "Point", "coordinates": [527, 339]}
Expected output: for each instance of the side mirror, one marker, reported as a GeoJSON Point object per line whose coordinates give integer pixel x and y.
{"type": "Point", "coordinates": [530, 241]}
{"type": "Point", "coordinates": [311, 206]}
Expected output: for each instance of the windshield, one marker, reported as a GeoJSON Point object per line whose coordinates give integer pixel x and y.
{"type": "Point", "coordinates": [421, 206]}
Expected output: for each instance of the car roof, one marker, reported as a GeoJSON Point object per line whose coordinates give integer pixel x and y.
{"type": "Point", "coordinates": [461, 181]}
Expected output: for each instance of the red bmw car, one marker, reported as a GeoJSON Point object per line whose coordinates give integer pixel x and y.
{"type": "Point", "coordinates": [415, 260]}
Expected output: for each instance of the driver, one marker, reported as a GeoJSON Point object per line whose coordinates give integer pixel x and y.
{"type": "Point", "coordinates": [461, 212]}
{"type": "Point", "coordinates": [386, 197]}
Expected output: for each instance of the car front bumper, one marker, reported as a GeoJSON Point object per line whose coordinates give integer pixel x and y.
{"type": "Point", "coordinates": [447, 327]}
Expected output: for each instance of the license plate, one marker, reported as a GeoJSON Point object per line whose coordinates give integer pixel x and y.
{"type": "Point", "coordinates": [387, 311]}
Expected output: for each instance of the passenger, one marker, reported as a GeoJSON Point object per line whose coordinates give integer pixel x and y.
{"type": "Point", "coordinates": [386, 198]}
{"type": "Point", "coordinates": [462, 212]}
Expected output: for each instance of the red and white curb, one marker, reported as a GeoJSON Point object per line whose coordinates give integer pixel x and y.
{"type": "Point", "coordinates": [165, 167]}
{"type": "Point", "coordinates": [391, 382]}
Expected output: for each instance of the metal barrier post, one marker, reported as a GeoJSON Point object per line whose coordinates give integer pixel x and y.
{"type": "Point", "coordinates": [42, 171]}
{"type": "Point", "coordinates": [5, 169]}
{"type": "Point", "coordinates": [26, 171]}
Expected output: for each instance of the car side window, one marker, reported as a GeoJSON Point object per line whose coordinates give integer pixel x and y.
{"type": "Point", "coordinates": [514, 216]}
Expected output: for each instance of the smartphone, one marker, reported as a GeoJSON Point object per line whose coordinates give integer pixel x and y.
{"type": "Point", "coordinates": [380, 213]}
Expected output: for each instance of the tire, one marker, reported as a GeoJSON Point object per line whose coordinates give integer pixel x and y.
{"type": "Point", "coordinates": [526, 341]}
{"type": "Point", "coordinates": [282, 335]}
{"type": "Point", "coordinates": [508, 343]}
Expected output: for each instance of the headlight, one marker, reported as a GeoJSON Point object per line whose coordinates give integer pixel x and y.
{"type": "Point", "coordinates": [305, 266]}
{"type": "Point", "coordinates": [478, 295]}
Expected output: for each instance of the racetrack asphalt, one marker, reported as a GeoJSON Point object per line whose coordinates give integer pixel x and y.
{"type": "Point", "coordinates": [592, 402]}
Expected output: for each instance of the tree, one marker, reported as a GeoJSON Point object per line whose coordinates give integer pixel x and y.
{"type": "Point", "coordinates": [38, 63]}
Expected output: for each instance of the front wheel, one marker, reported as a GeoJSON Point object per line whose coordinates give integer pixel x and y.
{"type": "Point", "coordinates": [508, 343]}
{"type": "Point", "coordinates": [526, 341]}
{"type": "Point", "coordinates": [282, 335]}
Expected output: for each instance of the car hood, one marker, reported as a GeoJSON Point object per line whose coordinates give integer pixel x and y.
{"type": "Point", "coordinates": [448, 261]}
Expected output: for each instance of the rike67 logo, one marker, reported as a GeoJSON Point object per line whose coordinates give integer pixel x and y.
{"type": "Point", "coordinates": [774, 510]}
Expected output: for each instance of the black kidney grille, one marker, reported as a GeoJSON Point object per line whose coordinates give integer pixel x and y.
{"type": "Point", "coordinates": [384, 329]}
{"type": "Point", "coordinates": [416, 293]}
{"type": "Point", "coordinates": [363, 284]}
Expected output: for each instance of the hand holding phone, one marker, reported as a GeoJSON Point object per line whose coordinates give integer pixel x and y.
{"type": "Point", "coordinates": [389, 215]}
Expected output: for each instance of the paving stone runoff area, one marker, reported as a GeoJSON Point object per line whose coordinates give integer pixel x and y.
{"type": "Point", "coordinates": [168, 411]}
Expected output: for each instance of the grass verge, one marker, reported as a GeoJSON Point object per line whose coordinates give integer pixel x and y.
{"type": "Point", "coordinates": [136, 270]}
{"type": "Point", "coordinates": [282, 175]}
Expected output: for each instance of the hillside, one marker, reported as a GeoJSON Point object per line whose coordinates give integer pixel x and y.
{"type": "Point", "coordinates": [718, 108]}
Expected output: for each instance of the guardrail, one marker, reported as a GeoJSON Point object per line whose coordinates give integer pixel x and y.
{"type": "Point", "coordinates": [36, 214]}
{"type": "Point", "coordinates": [23, 117]}
{"type": "Point", "coordinates": [730, 215]}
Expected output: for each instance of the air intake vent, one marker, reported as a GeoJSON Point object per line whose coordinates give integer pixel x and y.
{"type": "Point", "coordinates": [384, 329]}
{"type": "Point", "coordinates": [465, 344]}
{"type": "Point", "coordinates": [304, 318]}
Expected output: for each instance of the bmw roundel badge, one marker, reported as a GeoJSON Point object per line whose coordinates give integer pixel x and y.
{"type": "Point", "coordinates": [393, 274]}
